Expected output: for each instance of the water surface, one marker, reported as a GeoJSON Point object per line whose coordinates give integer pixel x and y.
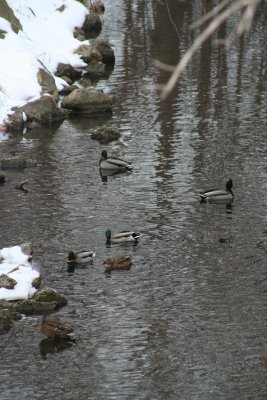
{"type": "Point", "coordinates": [188, 320]}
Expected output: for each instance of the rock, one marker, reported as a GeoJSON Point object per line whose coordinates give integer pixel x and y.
{"type": "Point", "coordinates": [2, 179]}
{"type": "Point", "coordinates": [67, 80]}
{"type": "Point", "coordinates": [105, 135]}
{"type": "Point", "coordinates": [67, 70]}
{"type": "Point", "coordinates": [85, 82]}
{"type": "Point", "coordinates": [36, 283]}
{"type": "Point", "coordinates": [97, 7]}
{"type": "Point", "coordinates": [44, 300]}
{"type": "Point", "coordinates": [92, 26]}
{"type": "Point", "coordinates": [21, 186]}
{"type": "Point", "coordinates": [30, 306]}
{"type": "Point", "coordinates": [79, 34]}
{"type": "Point", "coordinates": [7, 13]}
{"type": "Point", "coordinates": [49, 295]}
{"type": "Point", "coordinates": [35, 114]}
{"type": "Point", "coordinates": [13, 162]}
{"type": "Point", "coordinates": [88, 53]}
{"type": "Point", "coordinates": [106, 51]}
{"type": "Point", "coordinates": [95, 68]}
{"type": "Point", "coordinates": [27, 249]}
{"type": "Point", "coordinates": [47, 83]}
{"type": "Point", "coordinates": [68, 89]}
{"type": "Point", "coordinates": [7, 316]}
{"type": "Point", "coordinates": [7, 282]}
{"type": "Point", "coordinates": [89, 102]}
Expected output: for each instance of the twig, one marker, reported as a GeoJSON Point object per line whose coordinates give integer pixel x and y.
{"type": "Point", "coordinates": [211, 28]}
{"type": "Point", "coordinates": [170, 17]}
{"type": "Point", "coordinates": [212, 13]}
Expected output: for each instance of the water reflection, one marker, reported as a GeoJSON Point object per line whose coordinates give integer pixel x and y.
{"type": "Point", "coordinates": [105, 173]}
{"type": "Point", "coordinates": [52, 346]}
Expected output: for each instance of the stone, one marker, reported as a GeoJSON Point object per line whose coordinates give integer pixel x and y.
{"type": "Point", "coordinates": [95, 68]}
{"type": "Point", "coordinates": [7, 13]}
{"type": "Point", "coordinates": [13, 162]}
{"type": "Point", "coordinates": [105, 135]}
{"type": "Point", "coordinates": [106, 51]}
{"type": "Point", "coordinates": [47, 83]}
{"type": "Point", "coordinates": [30, 307]}
{"type": "Point", "coordinates": [89, 102]}
{"type": "Point", "coordinates": [97, 7]}
{"type": "Point", "coordinates": [69, 71]}
{"type": "Point", "coordinates": [92, 26]}
{"type": "Point", "coordinates": [49, 295]}
{"type": "Point", "coordinates": [88, 53]}
{"type": "Point", "coordinates": [79, 34]}
{"type": "Point", "coordinates": [7, 282]}
{"type": "Point", "coordinates": [85, 82]}
{"type": "Point", "coordinates": [7, 316]}
{"type": "Point", "coordinates": [68, 89]}
{"type": "Point", "coordinates": [36, 283]}
{"type": "Point", "coordinates": [35, 114]}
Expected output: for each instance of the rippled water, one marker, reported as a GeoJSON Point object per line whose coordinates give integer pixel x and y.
{"type": "Point", "coordinates": [188, 320]}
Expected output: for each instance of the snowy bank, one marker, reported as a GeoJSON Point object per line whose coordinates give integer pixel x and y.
{"type": "Point", "coordinates": [46, 39]}
{"type": "Point", "coordinates": [15, 265]}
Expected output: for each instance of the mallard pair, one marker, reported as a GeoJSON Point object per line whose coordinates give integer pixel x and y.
{"type": "Point", "coordinates": [219, 195]}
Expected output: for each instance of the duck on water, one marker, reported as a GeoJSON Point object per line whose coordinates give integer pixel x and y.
{"type": "Point", "coordinates": [219, 195]}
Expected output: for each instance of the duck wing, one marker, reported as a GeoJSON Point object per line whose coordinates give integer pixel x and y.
{"type": "Point", "coordinates": [113, 162]}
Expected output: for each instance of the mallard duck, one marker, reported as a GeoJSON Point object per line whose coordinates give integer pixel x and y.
{"type": "Point", "coordinates": [81, 257]}
{"type": "Point", "coordinates": [124, 236]}
{"type": "Point", "coordinates": [113, 163]}
{"type": "Point", "coordinates": [55, 328]}
{"type": "Point", "coordinates": [117, 263]}
{"type": "Point", "coordinates": [219, 194]}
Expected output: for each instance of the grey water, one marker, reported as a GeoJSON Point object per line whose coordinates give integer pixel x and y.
{"type": "Point", "coordinates": [188, 320]}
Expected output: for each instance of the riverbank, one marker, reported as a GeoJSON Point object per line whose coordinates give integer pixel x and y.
{"type": "Point", "coordinates": [41, 65]}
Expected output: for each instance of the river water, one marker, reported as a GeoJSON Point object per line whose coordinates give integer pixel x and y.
{"type": "Point", "coordinates": [188, 320]}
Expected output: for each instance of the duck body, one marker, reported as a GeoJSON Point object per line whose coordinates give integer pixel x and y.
{"type": "Point", "coordinates": [55, 329]}
{"type": "Point", "coordinates": [117, 263]}
{"type": "Point", "coordinates": [121, 237]}
{"type": "Point", "coordinates": [113, 163]}
{"type": "Point", "coordinates": [81, 257]}
{"type": "Point", "coordinates": [219, 195]}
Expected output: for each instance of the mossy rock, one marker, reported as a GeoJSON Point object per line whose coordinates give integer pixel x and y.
{"type": "Point", "coordinates": [50, 295]}
{"type": "Point", "coordinates": [105, 135]}
{"type": "Point", "coordinates": [7, 282]}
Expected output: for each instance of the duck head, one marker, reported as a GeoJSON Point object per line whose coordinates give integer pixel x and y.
{"type": "Point", "coordinates": [71, 256]}
{"type": "Point", "coordinates": [108, 235]}
{"type": "Point", "coordinates": [104, 154]}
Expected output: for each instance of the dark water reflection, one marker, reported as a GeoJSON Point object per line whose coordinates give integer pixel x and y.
{"type": "Point", "coordinates": [188, 320]}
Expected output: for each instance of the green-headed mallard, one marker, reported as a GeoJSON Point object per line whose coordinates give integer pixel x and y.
{"type": "Point", "coordinates": [219, 194]}
{"type": "Point", "coordinates": [55, 328]}
{"type": "Point", "coordinates": [121, 237]}
{"type": "Point", "coordinates": [81, 257]}
{"type": "Point", "coordinates": [117, 263]}
{"type": "Point", "coordinates": [113, 163]}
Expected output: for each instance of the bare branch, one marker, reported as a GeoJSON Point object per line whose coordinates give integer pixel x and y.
{"type": "Point", "coordinates": [163, 66]}
{"type": "Point", "coordinates": [248, 5]}
{"type": "Point", "coordinates": [212, 13]}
